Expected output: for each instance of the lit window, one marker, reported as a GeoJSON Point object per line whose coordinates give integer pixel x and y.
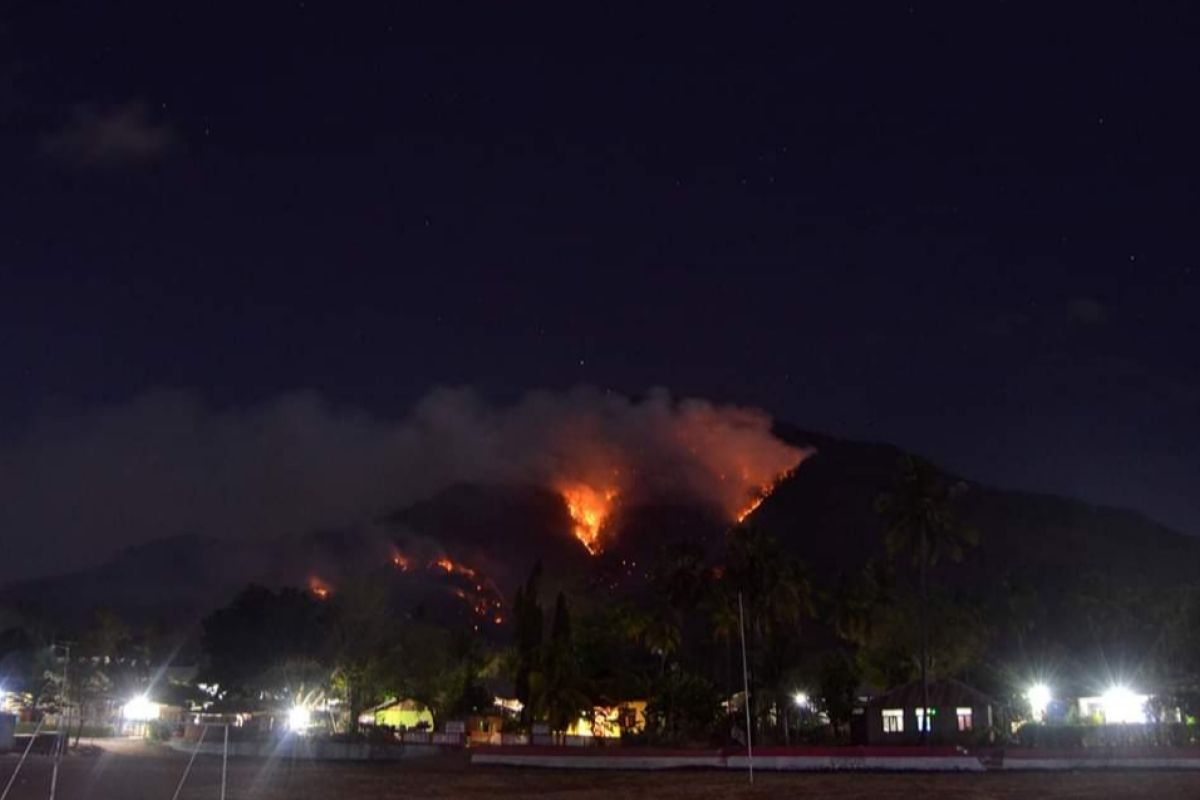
{"type": "Point", "coordinates": [893, 720]}
{"type": "Point", "coordinates": [964, 718]}
{"type": "Point", "coordinates": [924, 724]}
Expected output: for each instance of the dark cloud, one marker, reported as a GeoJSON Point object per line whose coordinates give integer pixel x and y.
{"type": "Point", "coordinates": [120, 135]}
{"type": "Point", "coordinates": [1086, 311]}
{"type": "Point", "coordinates": [74, 489]}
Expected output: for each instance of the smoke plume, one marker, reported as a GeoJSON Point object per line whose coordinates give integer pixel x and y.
{"type": "Point", "coordinates": [74, 489]}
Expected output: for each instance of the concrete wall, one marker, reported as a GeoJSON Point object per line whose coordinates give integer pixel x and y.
{"type": "Point", "coordinates": [824, 759]}
{"type": "Point", "coordinates": [300, 747]}
{"type": "Point", "coordinates": [567, 757]}
{"type": "Point", "coordinates": [1102, 758]}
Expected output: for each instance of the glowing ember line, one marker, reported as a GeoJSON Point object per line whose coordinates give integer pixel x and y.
{"type": "Point", "coordinates": [763, 493]}
{"type": "Point", "coordinates": [750, 509]}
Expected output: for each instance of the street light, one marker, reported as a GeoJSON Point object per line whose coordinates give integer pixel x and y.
{"type": "Point", "coordinates": [299, 719]}
{"type": "Point", "coordinates": [1039, 697]}
{"type": "Point", "coordinates": [1121, 704]}
{"type": "Point", "coordinates": [140, 709]}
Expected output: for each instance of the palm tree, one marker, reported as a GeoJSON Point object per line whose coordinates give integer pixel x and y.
{"type": "Point", "coordinates": [682, 582]}
{"type": "Point", "coordinates": [778, 595]}
{"type": "Point", "coordinates": [920, 523]}
{"type": "Point", "coordinates": [682, 577]}
{"type": "Point", "coordinates": [777, 590]}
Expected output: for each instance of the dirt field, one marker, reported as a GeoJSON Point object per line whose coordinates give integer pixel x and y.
{"type": "Point", "coordinates": [134, 771]}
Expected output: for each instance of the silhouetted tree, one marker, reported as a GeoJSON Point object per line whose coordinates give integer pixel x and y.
{"type": "Point", "coordinates": [777, 596]}
{"type": "Point", "coordinates": [528, 621]}
{"type": "Point", "coordinates": [921, 524]}
{"type": "Point", "coordinates": [555, 686]}
{"type": "Point", "coordinates": [259, 629]}
{"type": "Point", "coordinates": [361, 640]}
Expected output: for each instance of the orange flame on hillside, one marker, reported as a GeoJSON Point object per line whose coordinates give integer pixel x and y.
{"type": "Point", "coordinates": [484, 601]}
{"type": "Point", "coordinates": [450, 567]}
{"type": "Point", "coordinates": [750, 509]}
{"type": "Point", "coordinates": [760, 495]}
{"type": "Point", "coordinates": [589, 509]}
{"type": "Point", "coordinates": [319, 588]}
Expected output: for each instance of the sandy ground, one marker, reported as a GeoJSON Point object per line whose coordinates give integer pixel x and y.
{"type": "Point", "coordinates": [136, 771]}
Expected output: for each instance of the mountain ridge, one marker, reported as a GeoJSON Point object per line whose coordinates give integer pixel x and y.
{"type": "Point", "coordinates": [824, 513]}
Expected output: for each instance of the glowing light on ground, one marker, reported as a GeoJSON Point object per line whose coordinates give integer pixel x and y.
{"type": "Point", "coordinates": [319, 588]}
{"type": "Point", "coordinates": [589, 510]}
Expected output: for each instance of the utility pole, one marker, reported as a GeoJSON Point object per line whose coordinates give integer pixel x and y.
{"type": "Point", "coordinates": [62, 719]}
{"type": "Point", "coordinates": [746, 687]}
{"type": "Point", "coordinates": [225, 761]}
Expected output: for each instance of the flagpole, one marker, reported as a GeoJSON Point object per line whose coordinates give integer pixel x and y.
{"type": "Point", "coordinates": [746, 687]}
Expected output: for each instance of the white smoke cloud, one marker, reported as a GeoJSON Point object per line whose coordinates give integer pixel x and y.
{"type": "Point", "coordinates": [73, 489]}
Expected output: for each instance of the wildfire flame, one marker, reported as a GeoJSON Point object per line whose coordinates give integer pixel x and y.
{"type": "Point", "coordinates": [450, 567]}
{"type": "Point", "coordinates": [760, 495]}
{"type": "Point", "coordinates": [750, 509]}
{"type": "Point", "coordinates": [319, 588]}
{"type": "Point", "coordinates": [588, 509]}
{"type": "Point", "coordinates": [483, 601]}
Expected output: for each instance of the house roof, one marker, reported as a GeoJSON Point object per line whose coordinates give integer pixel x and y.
{"type": "Point", "coordinates": [404, 704]}
{"type": "Point", "coordinates": [942, 692]}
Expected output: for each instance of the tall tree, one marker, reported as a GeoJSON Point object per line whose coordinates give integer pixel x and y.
{"type": "Point", "coordinates": [529, 622]}
{"type": "Point", "coordinates": [555, 686]}
{"type": "Point", "coordinates": [107, 637]}
{"type": "Point", "coordinates": [920, 523]}
{"type": "Point", "coordinates": [777, 597]}
{"type": "Point", "coordinates": [682, 577]}
{"type": "Point", "coordinates": [261, 628]}
{"type": "Point", "coordinates": [362, 639]}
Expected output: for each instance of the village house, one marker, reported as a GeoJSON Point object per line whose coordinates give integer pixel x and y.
{"type": "Point", "coordinates": [958, 714]}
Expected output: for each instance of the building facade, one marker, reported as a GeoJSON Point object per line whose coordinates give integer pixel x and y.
{"type": "Point", "coordinates": [957, 714]}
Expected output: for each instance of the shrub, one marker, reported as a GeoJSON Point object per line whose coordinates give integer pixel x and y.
{"type": "Point", "coordinates": [1066, 737]}
{"type": "Point", "coordinates": [1050, 737]}
{"type": "Point", "coordinates": [158, 731]}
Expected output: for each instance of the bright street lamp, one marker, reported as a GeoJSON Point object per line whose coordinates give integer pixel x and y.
{"type": "Point", "coordinates": [299, 719]}
{"type": "Point", "coordinates": [1039, 697]}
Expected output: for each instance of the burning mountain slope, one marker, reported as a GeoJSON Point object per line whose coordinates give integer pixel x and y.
{"type": "Point", "coordinates": [824, 512]}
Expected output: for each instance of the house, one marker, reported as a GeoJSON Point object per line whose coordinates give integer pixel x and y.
{"type": "Point", "coordinates": [484, 728]}
{"type": "Point", "coordinates": [402, 715]}
{"type": "Point", "coordinates": [609, 722]}
{"type": "Point", "coordinates": [958, 714]}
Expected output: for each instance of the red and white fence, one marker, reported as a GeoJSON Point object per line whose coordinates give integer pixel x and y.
{"type": "Point", "coordinates": [827, 759]}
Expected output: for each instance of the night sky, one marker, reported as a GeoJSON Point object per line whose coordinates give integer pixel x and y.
{"type": "Point", "coordinates": [967, 229]}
